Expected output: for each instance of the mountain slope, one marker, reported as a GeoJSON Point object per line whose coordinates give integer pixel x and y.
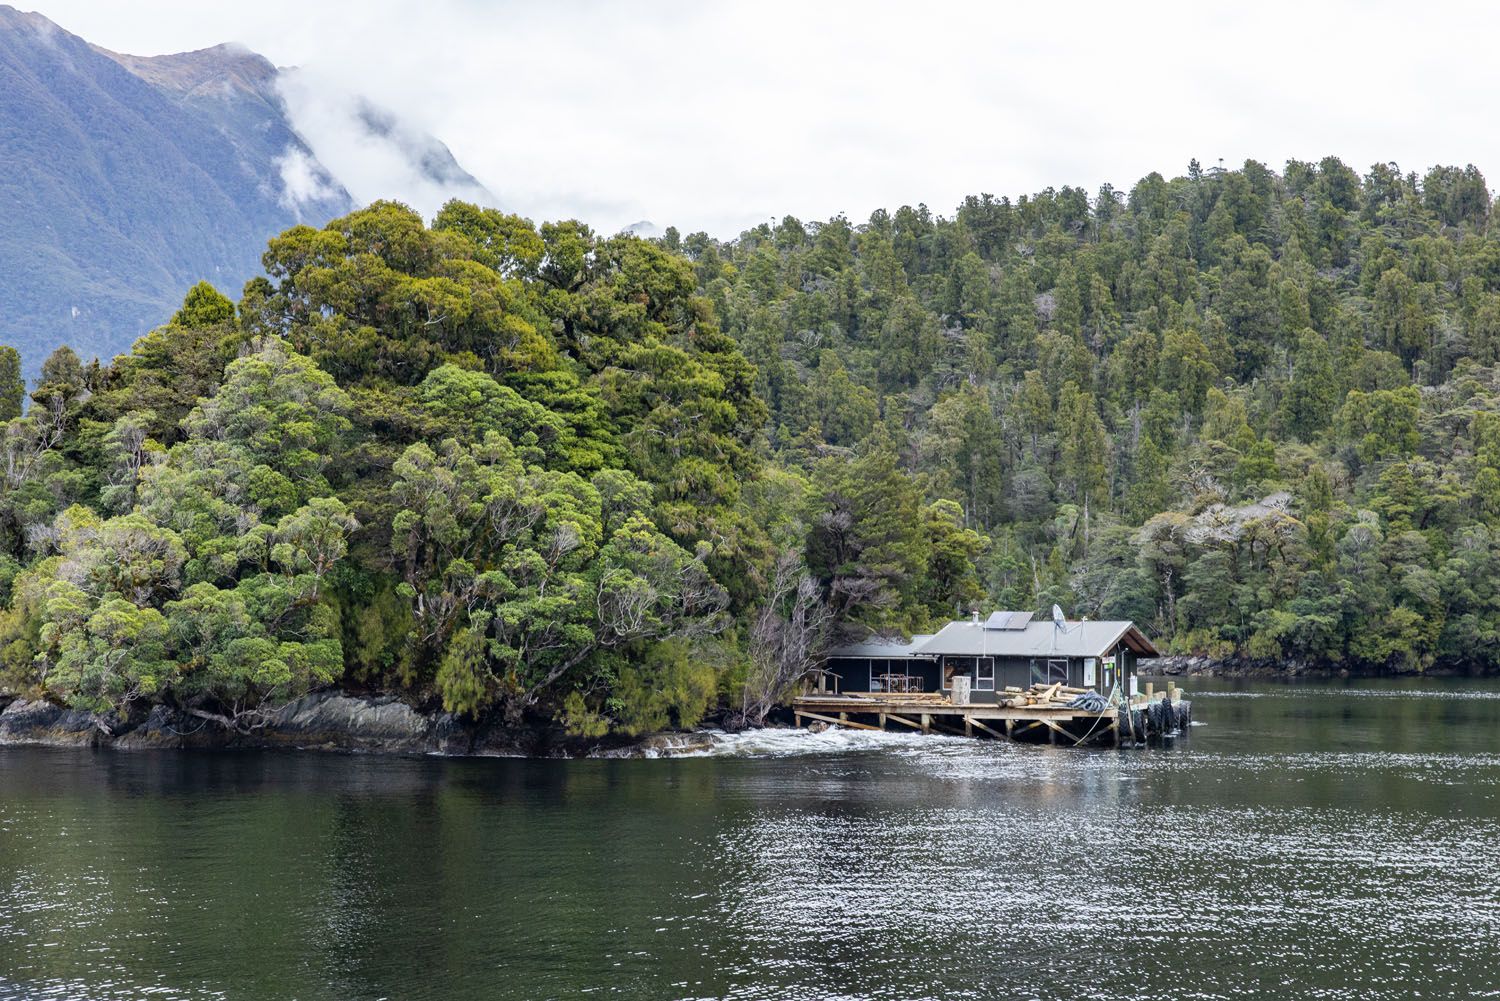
{"type": "Point", "coordinates": [239, 91]}
{"type": "Point", "coordinates": [116, 195]}
{"type": "Point", "coordinates": [125, 179]}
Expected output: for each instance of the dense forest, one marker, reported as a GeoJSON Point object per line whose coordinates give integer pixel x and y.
{"type": "Point", "coordinates": [619, 482]}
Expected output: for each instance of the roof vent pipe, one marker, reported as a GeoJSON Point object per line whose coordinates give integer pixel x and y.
{"type": "Point", "coordinates": [976, 616]}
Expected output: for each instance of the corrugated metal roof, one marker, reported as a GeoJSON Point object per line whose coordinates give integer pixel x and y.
{"type": "Point", "coordinates": [1038, 639]}
{"type": "Point", "coordinates": [966, 638]}
{"type": "Point", "coordinates": [879, 647]}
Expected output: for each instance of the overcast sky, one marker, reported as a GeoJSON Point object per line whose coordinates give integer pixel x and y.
{"type": "Point", "coordinates": [718, 116]}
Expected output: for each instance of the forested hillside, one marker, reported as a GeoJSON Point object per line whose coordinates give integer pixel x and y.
{"type": "Point", "coordinates": [1255, 412]}
{"type": "Point", "coordinates": [526, 470]}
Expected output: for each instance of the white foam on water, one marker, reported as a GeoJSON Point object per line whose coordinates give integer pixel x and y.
{"type": "Point", "coordinates": [782, 742]}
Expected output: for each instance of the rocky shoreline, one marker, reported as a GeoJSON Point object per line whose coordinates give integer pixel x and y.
{"type": "Point", "coordinates": [1277, 670]}
{"type": "Point", "coordinates": [1214, 667]}
{"type": "Point", "coordinates": [322, 721]}
{"type": "Point", "coordinates": [337, 721]}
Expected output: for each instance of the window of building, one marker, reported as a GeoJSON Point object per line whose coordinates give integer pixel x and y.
{"type": "Point", "coordinates": [1049, 672]}
{"type": "Point", "coordinates": [984, 675]}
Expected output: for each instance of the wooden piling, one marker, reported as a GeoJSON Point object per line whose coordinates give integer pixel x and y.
{"type": "Point", "coordinates": [932, 713]}
{"type": "Point", "coordinates": [987, 730]}
{"type": "Point", "coordinates": [839, 722]}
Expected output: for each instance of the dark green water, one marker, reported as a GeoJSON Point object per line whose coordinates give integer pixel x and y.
{"type": "Point", "coordinates": [1316, 841]}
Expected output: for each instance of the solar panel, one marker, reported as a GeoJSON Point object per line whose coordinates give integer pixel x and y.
{"type": "Point", "coordinates": [1008, 621]}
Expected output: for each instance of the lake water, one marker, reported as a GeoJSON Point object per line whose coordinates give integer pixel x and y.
{"type": "Point", "coordinates": [1319, 841]}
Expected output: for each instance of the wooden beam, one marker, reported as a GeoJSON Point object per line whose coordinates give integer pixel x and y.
{"type": "Point", "coordinates": [838, 722]}
{"type": "Point", "coordinates": [904, 721]}
{"type": "Point", "coordinates": [986, 729]}
{"type": "Point", "coordinates": [1056, 729]}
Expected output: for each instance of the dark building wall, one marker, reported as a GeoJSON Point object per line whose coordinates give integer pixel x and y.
{"type": "Point", "coordinates": [994, 673]}
{"type": "Point", "coordinates": [862, 674]}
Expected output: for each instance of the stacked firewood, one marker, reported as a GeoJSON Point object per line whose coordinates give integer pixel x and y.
{"type": "Point", "coordinates": [1038, 696]}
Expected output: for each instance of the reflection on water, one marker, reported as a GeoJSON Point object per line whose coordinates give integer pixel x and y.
{"type": "Point", "coordinates": [1323, 841]}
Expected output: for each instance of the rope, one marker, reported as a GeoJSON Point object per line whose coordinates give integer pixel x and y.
{"type": "Point", "coordinates": [187, 733]}
{"type": "Point", "coordinates": [1095, 703]}
{"type": "Point", "coordinates": [1089, 702]}
{"type": "Point", "coordinates": [1097, 723]}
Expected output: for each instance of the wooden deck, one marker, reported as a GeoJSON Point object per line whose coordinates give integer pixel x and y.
{"type": "Point", "coordinates": [933, 713]}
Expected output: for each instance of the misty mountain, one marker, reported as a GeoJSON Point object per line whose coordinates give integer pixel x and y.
{"type": "Point", "coordinates": [125, 179]}
{"type": "Point", "coordinates": [643, 228]}
{"type": "Point", "coordinates": [373, 152]}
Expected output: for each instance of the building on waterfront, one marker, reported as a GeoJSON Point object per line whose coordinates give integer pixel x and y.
{"type": "Point", "coordinates": [1007, 649]}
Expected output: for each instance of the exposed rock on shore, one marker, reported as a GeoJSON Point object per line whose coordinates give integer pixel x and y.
{"type": "Point", "coordinates": [1244, 667]}
{"type": "Point", "coordinates": [1279, 670]}
{"type": "Point", "coordinates": [41, 722]}
{"type": "Point", "coordinates": [323, 721]}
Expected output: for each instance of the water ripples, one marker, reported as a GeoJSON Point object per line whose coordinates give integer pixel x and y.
{"type": "Point", "coordinates": [1264, 855]}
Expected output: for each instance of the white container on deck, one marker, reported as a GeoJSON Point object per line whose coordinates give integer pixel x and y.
{"type": "Point", "coordinates": [958, 690]}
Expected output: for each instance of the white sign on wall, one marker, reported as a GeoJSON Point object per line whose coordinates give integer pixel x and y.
{"type": "Point", "coordinates": [1089, 666]}
{"type": "Point", "coordinates": [1132, 686]}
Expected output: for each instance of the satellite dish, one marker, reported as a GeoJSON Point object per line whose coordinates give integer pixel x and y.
{"type": "Point", "coordinates": [1057, 618]}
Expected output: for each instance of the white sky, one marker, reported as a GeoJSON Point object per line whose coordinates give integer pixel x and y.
{"type": "Point", "coordinates": [718, 116]}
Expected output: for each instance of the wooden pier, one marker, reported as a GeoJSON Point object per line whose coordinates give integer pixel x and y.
{"type": "Point", "coordinates": [1052, 722]}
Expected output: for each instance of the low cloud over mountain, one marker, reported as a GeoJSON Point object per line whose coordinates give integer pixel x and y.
{"type": "Point", "coordinates": [127, 178]}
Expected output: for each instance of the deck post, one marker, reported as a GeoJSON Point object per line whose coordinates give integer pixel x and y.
{"type": "Point", "coordinates": [1010, 726]}
{"type": "Point", "coordinates": [837, 722]}
{"type": "Point", "coordinates": [843, 717]}
{"type": "Point", "coordinates": [968, 726]}
{"type": "Point", "coordinates": [985, 729]}
{"type": "Point", "coordinates": [796, 720]}
{"type": "Point", "coordinates": [1052, 735]}
{"type": "Point", "coordinates": [882, 721]}
{"type": "Point", "coordinates": [927, 722]}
